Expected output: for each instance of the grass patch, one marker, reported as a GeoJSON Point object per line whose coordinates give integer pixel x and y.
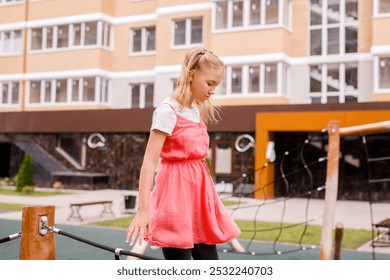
{"type": "Point", "coordinates": [231, 203]}
{"type": "Point", "coordinates": [116, 223]}
{"type": "Point", "coordinates": [11, 207]}
{"type": "Point", "coordinates": [34, 193]}
{"type": "Point", "coordinates": [352, 239]}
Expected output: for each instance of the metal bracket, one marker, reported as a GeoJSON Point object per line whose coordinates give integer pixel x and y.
{"type": "Point", "coordinates": [42, 227]}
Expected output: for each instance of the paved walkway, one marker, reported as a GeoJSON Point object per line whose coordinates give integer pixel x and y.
{"type": "Point", "coordinates": [352, 214]}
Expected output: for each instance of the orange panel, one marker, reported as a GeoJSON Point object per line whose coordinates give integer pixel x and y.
{"type": "Point", "coordinates": [300, 121]}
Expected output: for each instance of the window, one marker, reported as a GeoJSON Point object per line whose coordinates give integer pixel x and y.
{"type": "Point", "coordinates": [76, 34]}
{"type": "Point", "coordinates": [11, 42]}
{"type": "Point", "coordinates": [49, 37]}
{"type": "Point", "coordinates": [89, 90]}
{"type": "Point", "coordinates": [270, 78]}
{"type": "Point", "coordinates": [234, 14]}
{"type": "Point", "coordinates": [9, 2]}
{"type": "Point", "coordinates": [9, 93]}
{"type": "Point", "coordinates": [382, 6]}
{"type": "Point", "coordinates": [255, 13]}
{"type": "Point", "coordinates": [104, 90]}
{"type": "Point", "coordinates": [254, 79]}
{"type": "Point", "coordinates": [334, 31]}
{"type": "Point", "coordinates": [188, 32]}
{"type": "Point", "coordinates": [71, 144]}
{"type": "Point", "coordinates": [35, 92]}
{"type": "Point", "coordinates": [223, 158]}
{"type": "Point", "coordinates": [36, 39]}
{"type": "Point", "coordinates": [75, 96]}
{"type": "Point", "coordinates": [261, 79]}
{"type": "Point", "coordinates": [238, 13]}
{"type": "Point", "coordinates": [144, 39]}
{"type": "Point", "coordinates": [334, 83]}
{"type": "Point", "coordinates": [384, 73]}
{"type": "Point", "coordinates": [63, 36]}
{"type": "Point", "coordinates": [107, 35]}
{"type": "Point", "coordinates": [46, 86]}
{"type": "Point", "coordinates": [69, 90]}
{"type": "Point", "coordinates": [60, 91]}
{"type": "Point", "coordinates": [337, 31]}
{"type": "Point", "coordinates": [271, 12]}
{"type": "Point", "coordinates": [141, 95]}
{"type": "Point", "coordinates": [93, 33]}
{"type": "Point", "coordinates": [236, 80]}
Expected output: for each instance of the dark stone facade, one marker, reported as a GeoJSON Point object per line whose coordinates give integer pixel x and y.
{"type": "Point", "coordinates": [117, 164]}
{"type": "Point", "coordinates": [120, 159]}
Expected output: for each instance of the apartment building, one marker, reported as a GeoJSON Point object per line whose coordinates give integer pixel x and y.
{"type": "Point", "coordinates": [93, 58]}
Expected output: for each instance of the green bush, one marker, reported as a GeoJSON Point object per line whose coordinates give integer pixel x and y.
{"type": "Point", "coordinates": [28, 189]}
{"type": "Point", "coordinates": [25, 173]}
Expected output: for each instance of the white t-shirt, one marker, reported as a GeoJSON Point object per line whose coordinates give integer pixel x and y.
{"type": "Point", "coordinates": [164, 118]}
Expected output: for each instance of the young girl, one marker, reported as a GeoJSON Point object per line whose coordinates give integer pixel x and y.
{"type": "Point", "coordinates": [183, 214]}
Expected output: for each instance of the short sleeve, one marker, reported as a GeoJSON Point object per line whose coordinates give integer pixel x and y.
{"type": "Point", "coordinates": [164, 119]}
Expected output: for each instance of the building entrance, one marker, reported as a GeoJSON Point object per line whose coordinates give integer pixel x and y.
{"type": "Point", "coordinates": [5, 157]}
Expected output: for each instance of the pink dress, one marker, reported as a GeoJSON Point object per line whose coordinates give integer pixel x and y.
{"type": "Point", "coordinates": [185, 208]}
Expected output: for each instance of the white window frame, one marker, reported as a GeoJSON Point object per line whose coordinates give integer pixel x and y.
{"type": "Point", "coordinates": [68, 101]}
{"type": "Point", "coordinates": [342, 93]}
{"type": "Point", "coordinates": [188, 33]}
{"type": "Point", "coordinates": [10, 93]}
{"type": "Point", "coordinates": [105, 35]}
{"type": "Point", "coordinates": [104, 39]}
{"type": "Point", "coordinates": [377, 89]}
{"type": "Point", "coordinates": [144, 42]}
{"type": "Point", "coordinates": [11, 2]}
{"type": "Point", "coordinates": [12, 50]}
{"type": "Point", "coordinates": [104, 92]}
{"type": "Point", "coordinates": [282, 76]}
{"type": "Point", "coordinates": [377, 14]}
{"type": "Point", "coordinates": [324, 27]}
{"type": "Point", "coordinates": [142, 93]}
{"type": "Point", "coordinates": [246, 16]}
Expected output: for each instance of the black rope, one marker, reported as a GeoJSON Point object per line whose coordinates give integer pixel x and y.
{"type": "Point", "coordinates": [287, 195]}
{"type": "Point", "coordinates": [11, 237]}
{"type": "Point", "coordinates": [116, 251]}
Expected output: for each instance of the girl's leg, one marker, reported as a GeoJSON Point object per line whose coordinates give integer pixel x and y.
{"type": "Point", "coordinates": [176, 254]}
{"type": "Point", "coordinates": [205, 252]}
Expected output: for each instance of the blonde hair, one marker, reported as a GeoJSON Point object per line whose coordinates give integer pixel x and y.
{"type": "Point", "coordinates": [197, 59]}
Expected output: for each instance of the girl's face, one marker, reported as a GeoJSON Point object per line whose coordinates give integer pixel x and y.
{"type": "Point", "coordinates": [204, 82]}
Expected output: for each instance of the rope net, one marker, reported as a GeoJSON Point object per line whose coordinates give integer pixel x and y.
{"type": "Point", "coordinates": [377, 164]}
{"type": "Point", "coordinates": [299, 177]}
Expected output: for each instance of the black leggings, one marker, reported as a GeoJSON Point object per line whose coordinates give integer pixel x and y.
{"type": "Point", "coordinates": [199, 252]}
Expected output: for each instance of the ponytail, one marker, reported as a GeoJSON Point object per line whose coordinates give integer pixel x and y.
{"type": "Point", "coordinates": [197, 59]}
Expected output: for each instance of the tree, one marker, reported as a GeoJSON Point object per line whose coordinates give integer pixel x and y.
{"type": "Point", "coordinates": [25, 173]}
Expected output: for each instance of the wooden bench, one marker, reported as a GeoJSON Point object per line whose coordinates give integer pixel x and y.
{"type": "Point", "coordinates": [75, 208]}
{"type": "Point", "coordinates": [383, 238]}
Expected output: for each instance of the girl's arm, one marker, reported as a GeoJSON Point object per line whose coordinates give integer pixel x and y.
{"type": "Point", "coordinates": [141, 221]}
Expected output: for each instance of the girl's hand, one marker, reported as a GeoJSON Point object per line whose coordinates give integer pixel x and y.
{"type": "Point", "coordinates": [139, 225]}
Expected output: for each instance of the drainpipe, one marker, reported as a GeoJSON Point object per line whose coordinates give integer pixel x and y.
{"type": "Point", "coordinates": [25, 45]}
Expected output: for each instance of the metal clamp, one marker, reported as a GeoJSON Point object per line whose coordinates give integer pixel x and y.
{"type": "Point", "coordinates": [42, 226]}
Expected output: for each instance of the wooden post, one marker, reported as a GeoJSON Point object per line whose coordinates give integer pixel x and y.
{"type": "Point", "coordinates": [332, 178]}
{"type": "Point", "coordinates": [33, 245]}
{"type": "Point", "coordinates": [338, 241]}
